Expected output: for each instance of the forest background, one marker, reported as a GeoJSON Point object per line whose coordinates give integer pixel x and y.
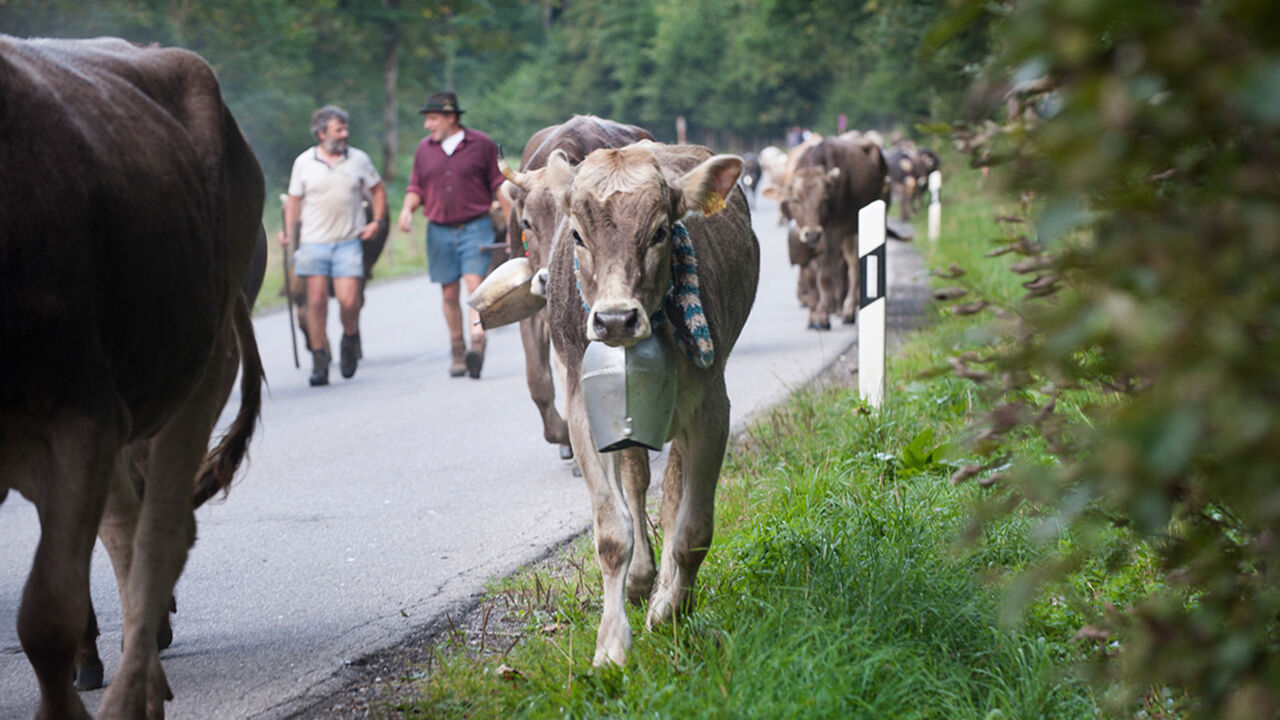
{"type": "Point", "coordinates": [740, 71]}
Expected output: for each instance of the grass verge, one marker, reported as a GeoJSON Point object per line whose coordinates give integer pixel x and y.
{"type": "Point", "coordinates": [847, 578]}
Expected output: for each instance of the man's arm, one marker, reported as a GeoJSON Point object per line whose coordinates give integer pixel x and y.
{"type": "Point", "coordinates": [292, 209]}
{"type": "Point", "coordinates": [380, 219]}
{"type": "Point", "coordinates": [411, 203]}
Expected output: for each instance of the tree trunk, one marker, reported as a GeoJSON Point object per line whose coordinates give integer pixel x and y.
{"type": "Point", "coordinates": [390, 74]}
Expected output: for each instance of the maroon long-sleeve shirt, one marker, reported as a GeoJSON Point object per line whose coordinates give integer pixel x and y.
{"type": "Point", "coordinates": [459, 187]}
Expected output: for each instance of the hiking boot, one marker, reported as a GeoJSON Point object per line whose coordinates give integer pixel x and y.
{"type": "Point", "coordinates": [458, 367]}
{"type": "Point", "coordinates": [319, 367]}
{"type": "Point", "coordinates": [475, 358]}
{"type": "Point", "coordinates": [350, 353]}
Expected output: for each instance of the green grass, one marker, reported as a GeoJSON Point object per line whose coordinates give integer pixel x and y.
{"type": "Point", "coordinates": [847, 578]}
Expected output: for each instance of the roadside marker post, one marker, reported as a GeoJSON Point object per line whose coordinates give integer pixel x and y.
{"type": "Point", "coordinates": [872, 287]}
{"type": "Point", "coordinates": [935, 205]}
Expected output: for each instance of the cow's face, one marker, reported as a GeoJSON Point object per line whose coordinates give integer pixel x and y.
{"type": "Point", "coordinates": [620, 211]}
{"type": "Point", "coordinates": [808, 200]}
{"type": "Point", "coordinates": [537, 213]}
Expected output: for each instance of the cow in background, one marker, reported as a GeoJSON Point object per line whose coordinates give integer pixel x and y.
{"type": "Point", "coordinates": [773, 166]}
{"type": "Point", "coordinates": [533, 220]}
{"type": "Point", "coordinates": [615, 255]}
{"type": "Point", "coordinates": [829, 181]}
{"type": "Point", "coordinates": [121, 304]}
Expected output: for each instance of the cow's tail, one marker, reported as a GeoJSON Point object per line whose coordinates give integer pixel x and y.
{"type": "Point", "coordinates": [220, 463]}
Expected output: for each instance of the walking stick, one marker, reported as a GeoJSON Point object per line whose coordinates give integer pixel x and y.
{"type": "Point", "coordinates": [288, 292]}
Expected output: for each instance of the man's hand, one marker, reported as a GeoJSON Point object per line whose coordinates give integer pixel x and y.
{"type": "Point", "coordinates": [370, 230]}
{"type": "Point", "coordinates": [283, 238]}
{"type": "Point", "coordinates": [406, 219]}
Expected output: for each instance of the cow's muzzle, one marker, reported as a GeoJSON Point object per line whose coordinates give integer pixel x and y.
{"type": "Point", "coordinates": [539, 285]}
{"type": "Point", "coordinates": [618, 324]}
{"type": "Point", "coordinates": [811, 235]}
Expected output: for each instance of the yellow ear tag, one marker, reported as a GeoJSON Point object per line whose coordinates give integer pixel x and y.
{"type": "Point", "coordinates": [712, 205]}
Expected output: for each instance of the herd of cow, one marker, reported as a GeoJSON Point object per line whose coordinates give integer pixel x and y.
{"type": "Point", "coordinates": [125, 319]}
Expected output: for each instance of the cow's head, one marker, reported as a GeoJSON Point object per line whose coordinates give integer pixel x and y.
{"type": "Point", "coordinates": [806, 199]}
{"type": "Point", "coordinates": [620, 210]}
{"type": "Point", "coordinates": [534, 214]}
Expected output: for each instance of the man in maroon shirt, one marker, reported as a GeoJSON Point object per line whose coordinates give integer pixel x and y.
{"type": "Point", "coordinates": [455, 179]}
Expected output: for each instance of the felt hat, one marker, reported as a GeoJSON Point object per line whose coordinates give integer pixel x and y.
{"type": "Point", "coordinates": [442, 102]}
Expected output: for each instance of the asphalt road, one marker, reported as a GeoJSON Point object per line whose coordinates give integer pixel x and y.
{"type": "Point", "coordinates": [372, 507]}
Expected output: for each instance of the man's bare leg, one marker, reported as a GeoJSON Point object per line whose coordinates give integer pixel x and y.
{"type": "Point", "coordinates": [317, 315]}
{"type": "Point", "coordinates": [453, 319]}
{"type": "Point", "coordinates": [347, 290]}
{"type": "Point", "coordinates": [475, 357]}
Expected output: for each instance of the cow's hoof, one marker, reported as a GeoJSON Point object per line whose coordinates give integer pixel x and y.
{"type": "Point", "coordinates": [566, 451]}
{"type": "Point", "coordinates": [89, 675]}
{"type": "Point", "coordinates": [577, 470]}
{"type": "Point", "coordinates": [849, 319]}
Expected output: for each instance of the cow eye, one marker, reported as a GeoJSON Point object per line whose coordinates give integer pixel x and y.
{"type": "Point", "coordinates": [658, 236]}
{"type": "Point", "coordinates": [577, 239]}
{"type": "Point", "coordinates": [526, 224]}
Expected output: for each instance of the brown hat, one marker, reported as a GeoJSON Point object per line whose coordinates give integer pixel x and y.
{"type": "Point", "coordinates": [442, 102]}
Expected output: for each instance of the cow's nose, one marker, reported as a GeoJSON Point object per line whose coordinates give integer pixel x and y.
{"type": "Point", "coordinates": [615, 324]}
{"type": "Point", "coordinates": [812, 237]}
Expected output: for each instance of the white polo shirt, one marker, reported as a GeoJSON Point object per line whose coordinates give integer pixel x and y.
{"type": "Point", "coordinates": [331, 196]}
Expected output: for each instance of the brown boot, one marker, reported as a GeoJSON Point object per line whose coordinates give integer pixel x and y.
{"type": "Point", "coordinates": [458, 366]}
{"type": "Point", "coordinates": [475, 358]}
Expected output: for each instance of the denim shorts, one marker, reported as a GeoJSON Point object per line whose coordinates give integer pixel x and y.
{"type": "Point", "coordinates": [455, 251]}
{"type": "Point", "coordinates": [341, 259]}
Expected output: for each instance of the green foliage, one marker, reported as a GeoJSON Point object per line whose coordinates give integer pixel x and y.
{"type": "Point", "coordinates": [1151, 146]}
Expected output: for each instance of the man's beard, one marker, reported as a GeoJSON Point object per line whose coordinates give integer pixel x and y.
{"type": "Point", "coordinates": [334, 146]}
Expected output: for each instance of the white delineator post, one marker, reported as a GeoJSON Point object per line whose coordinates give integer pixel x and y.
{"type": "Point", "coordinates": [872, 280]}
{"type": "Point", "coordinates": [935, 205]}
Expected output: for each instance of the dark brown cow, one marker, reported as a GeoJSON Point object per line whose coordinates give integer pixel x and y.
{"type": "Point", "coordinates": [533, 221]}
{"type": "Point", "coordinates": [827, 184]}
{"type": "Point", "coordinates": [120, 304]}
{"type": "Point", "coordinates": [622, 208]}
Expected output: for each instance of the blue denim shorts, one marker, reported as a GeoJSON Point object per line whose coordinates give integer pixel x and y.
{"type": "Point", "coordinates": [455, 251]}
{"type": "Point", "coordinates": [341, 259]}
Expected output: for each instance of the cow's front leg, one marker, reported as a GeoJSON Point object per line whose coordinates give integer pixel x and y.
{"type": "Point", "coordinates": [613, 533]}
{"type": "Point", "coordinates": [688, 525]}
{"type": "Point", "coordinates": [828, 273]}
{"type": "Point", "coordinates": [635, 479]}
{"type": "Point", "coordinates": [849, 313]}
{"type": "Point", "coordinates": [537, 373]}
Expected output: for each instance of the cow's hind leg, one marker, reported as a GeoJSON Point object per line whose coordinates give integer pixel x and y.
{"type": "Point", "coordinates": [70, 488]}
{"type": "Point", "coordinates": [612, 531]}
{"type": "Point", "coordinates": [688, 526]}
{"type": "Point", "coordinates": [165, 531]}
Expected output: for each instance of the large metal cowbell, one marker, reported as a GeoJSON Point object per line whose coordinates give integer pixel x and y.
{"type": "Point", "coordinates": [629, 393]}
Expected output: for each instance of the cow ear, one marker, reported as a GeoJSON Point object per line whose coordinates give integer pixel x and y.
{"type": "Point", "coordinates": [705, 188]}
{"type": "Point", "coordinates": [559, 177]}
{"type": "Point", "coordinates": [514, 192]}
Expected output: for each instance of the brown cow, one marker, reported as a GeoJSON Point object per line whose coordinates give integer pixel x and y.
{"type": "Point", "coordinates": [623, 207]}
{"type": "Point", "coordinates": [533, 221]}
{"type": "Point", "coordinates": [829, 182]}
{"type": "Point", "coordinates": [121, 302]}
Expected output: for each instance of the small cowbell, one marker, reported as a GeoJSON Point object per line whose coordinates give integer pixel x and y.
{"type": "Point", "coordinates": [630, 394]}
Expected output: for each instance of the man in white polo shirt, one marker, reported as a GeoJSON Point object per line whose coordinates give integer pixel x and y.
{"type": "Point", "coordinates": [326, 188]}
